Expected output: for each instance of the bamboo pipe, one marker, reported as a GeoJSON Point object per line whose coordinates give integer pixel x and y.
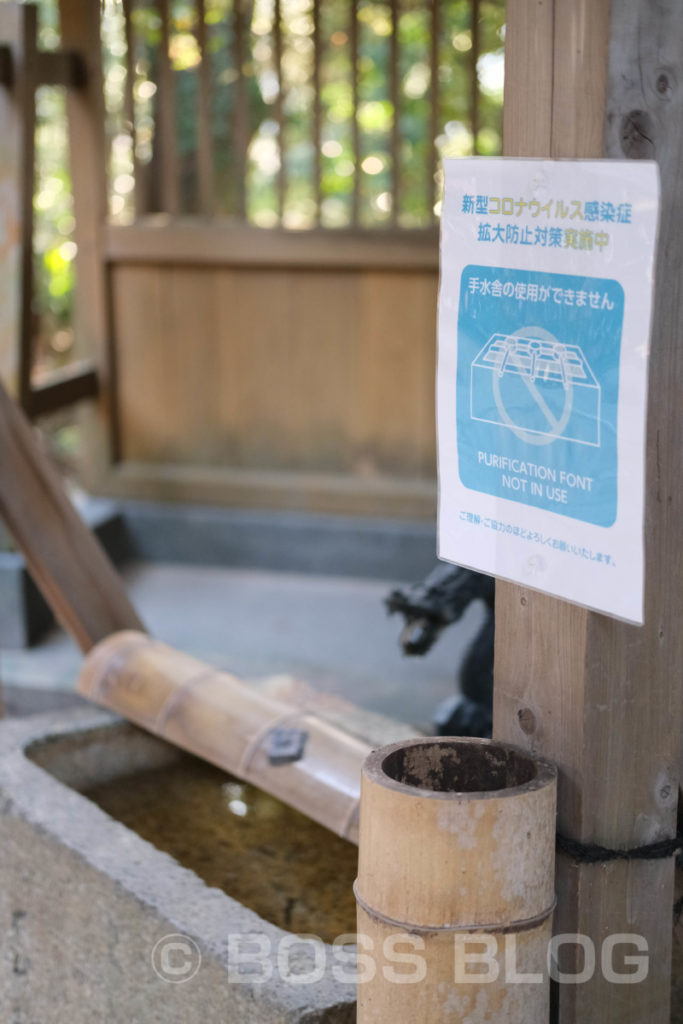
{"type": "Point", "coordinates": [290, 752]}
{"type": "Point", "coordinates": [456, 861]}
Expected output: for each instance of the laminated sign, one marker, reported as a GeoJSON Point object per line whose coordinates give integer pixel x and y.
{"type": "Point", "coordinates": [544, 321]}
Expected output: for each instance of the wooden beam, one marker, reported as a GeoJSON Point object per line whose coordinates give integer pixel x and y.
{"type": "Point", "coordinates": [188, 241]}
{"type": "Point", "coordinates": [63, 387]}
{"type": "Point", "coordinates": [80, 31]}
{"type": "Point", "coordinates": [529, 41]}
{"type": "Point", "coordinates": [59, 67]}
{"type": "Point", "coordinates": [52, 67]}
{"type": "Point", "coordinates": [64, 558]}
{"type": "Point", "coordinates": [205, 168]}
{"type": "Point", "coordinates": [166, 122]}
{"type": "Point", "coordinates": [6, 65]}
{"type": "Point", "coordinates": [324, 493]}
{"type": "Point", "coordinates": [17, 116]}
{"type": "Point", "coordinates": [599, 697]}
{"type": "Point", "coordinates": [22, 70]}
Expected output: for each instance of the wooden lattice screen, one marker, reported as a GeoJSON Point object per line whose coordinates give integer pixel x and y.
{"type": "Point", "coordinates": [233, 359]}
{"type": "Point", "coordinates": [298, 113]}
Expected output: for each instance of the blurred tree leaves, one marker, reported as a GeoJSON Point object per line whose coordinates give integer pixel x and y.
{"type": "Point", "coordinates": [274, 161]}
{"type": "Point", "coordinates": [291, 112]}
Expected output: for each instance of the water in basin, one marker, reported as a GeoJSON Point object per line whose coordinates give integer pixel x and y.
{"type": "Point", "coordinates": [269, 857]}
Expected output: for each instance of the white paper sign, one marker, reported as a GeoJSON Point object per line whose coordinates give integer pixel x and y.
{"type": "Point", "coordinates": [544, 321]}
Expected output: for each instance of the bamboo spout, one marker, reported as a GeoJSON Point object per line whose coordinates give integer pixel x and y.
{"type": "Point", "coordinates": [289, 752]}
{"type": "Point", "coordinates": [455, 885]}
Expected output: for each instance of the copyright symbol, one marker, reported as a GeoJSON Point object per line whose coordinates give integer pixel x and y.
{"type": "Point", "coordinates": [176, 958]}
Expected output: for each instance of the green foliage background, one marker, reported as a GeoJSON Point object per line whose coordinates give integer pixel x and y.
{"type": "Point", "coordinates": [55, 249]}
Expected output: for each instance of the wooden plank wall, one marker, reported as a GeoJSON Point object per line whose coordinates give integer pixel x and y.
{"type": "Point", "coordinates": [603, 698]}
{"type": "Point", "coordinates": [266, 369]}
{"type": "Point", "coordinates": [250, 367]}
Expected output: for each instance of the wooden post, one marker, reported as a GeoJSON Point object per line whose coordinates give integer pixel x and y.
{"type": "Point", "coordinates": [80, 34]}
{"type": "Point", "coordinates": [23, 68]}
{"type": "Point", "coordinates": [17, 117]}
{"type": "Point", "coordinates": [599, 697]}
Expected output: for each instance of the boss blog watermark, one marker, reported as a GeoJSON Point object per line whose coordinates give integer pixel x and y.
{"type": "Point", "coordinates": [355, 959]}
{"type": "Point", "coordinates": [176, 958]}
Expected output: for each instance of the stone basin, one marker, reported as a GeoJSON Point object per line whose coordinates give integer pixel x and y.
{"type": "Point", "coordinates": [101, 925]}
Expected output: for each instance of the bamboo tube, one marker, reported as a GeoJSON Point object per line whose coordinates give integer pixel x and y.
{"type": "Point", "coordinates": [455, 871]}
{"type": "Point", "coordinates": [290, 752]}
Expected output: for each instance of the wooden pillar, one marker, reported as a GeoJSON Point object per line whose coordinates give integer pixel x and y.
{"type": "Point", "coordinates": [601, 698]}
{"type": "Point", "coordinates": [80, 34]}
{"type": "Point", "coordinates": [17, 118]}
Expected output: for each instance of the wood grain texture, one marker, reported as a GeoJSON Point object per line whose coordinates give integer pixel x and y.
{"type": "Point", "coordinates": [249, 363]}
{"type": "Point", "coordinates": [581, 41]}
{"type": "Point", "coordinates": [65, 560]}
{"type": "Point", "coordinates": [321, 372]}
{"type": "Point", "coordinates": [527, 110]}
{"type": "Point", "coordinates": [602, 698]}
{"type": "Point", "coordinates": [323, 493]}
{"type": "Point", "coordinates": [244, 353]}
{"type": "Point", "coordinates": [187, 241]}
{"type": "Point", "coordinates": [394, 418]}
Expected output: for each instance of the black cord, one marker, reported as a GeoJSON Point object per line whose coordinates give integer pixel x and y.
{"type": "Point", "coordinates": [591, 853]}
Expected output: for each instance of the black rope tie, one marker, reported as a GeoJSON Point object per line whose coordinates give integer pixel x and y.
{"type": "Point", "coordinates": [591, 853]}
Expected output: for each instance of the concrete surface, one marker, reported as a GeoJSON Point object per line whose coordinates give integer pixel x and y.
{"type": "Point", "coordinates": [278, 541]}
{"type": "Point", "coordinates": [333, 632]}
{"type": "Point", "coordinates": [216, 537]}
{"type": "Point", "coordinates": [89, 906]}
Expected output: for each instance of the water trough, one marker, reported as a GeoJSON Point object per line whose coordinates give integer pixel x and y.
{"type": "Point", "coordinates": [89, 904]}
